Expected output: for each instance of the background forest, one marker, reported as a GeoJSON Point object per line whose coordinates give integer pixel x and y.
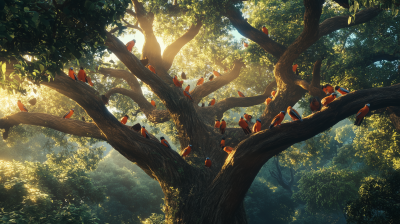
{"type": "Point", "coordinates": [343, 175]}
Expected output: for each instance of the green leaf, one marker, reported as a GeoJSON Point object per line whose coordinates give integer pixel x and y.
{"type": "Point", "coordinates": [349, 20]}
{"type": "Point", "coordinates": [41, 67]}
{"type": "Point", "coordinates": [3, 68]}
{"type": "Point", "coordinates": [26, 9]}
{"type": "Point", "coordinates": [35, 18]}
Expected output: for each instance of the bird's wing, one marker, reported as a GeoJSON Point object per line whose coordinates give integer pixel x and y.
{"type": "Point", "coordinates": [344, 90]}
{"type": "Point", "coordinates": [294, 113]}
{"type": "Point", "coordinates": [66, 114]}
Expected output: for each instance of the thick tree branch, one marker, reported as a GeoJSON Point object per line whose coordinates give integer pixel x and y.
{"type": "Point", "coordinates": [172, 50]}
{"type": "Point", "coordinates": [132, 26]}
{"type": "Point", "coordinates": [314, 87]}
{"type": "Point", "coordinates": [122, 74]}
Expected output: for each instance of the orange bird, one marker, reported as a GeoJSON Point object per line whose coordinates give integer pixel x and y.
{"type": "Point", "coordinates": [183, 75]}
{"type": "Point", "coordinates": [328, 89]}
{"type": "Point", "coordinates": [247, 117]}
{"type": "Point", "coordinates": [315, 104]}
{"type": "Point", "coordinates": [257, 126]}
{"type": "Point", "coordinates": [241, 94]}
{"type": "Point", "coordinates": [245, 44]}
{"type": "Point", "coordinates": [68, 114]}
{"type": "Point", "coordinates": [223, 126]}
{"type": "Point", "coordinates": [212, 102]}
{"type": "Point", "coordinates": [71, 74]}
{"type": "Point", "coordinates": [277, 119]}
{"type": "Point", "coordinates": [187, 88]}
{"type": "Point", "coordinates": [211, 77]}
{"type": "Point", "coordinates": [222, 144]}
{"type": "Point", "coordinates": [244, 125]}
{"type": "Point", "coordinates": [216, 73]}
{"type": "Point", "coordinates": [268, 100]}
{"type": "Point", "coordinates": [217, 124]}
{"type": "Point", "coordinates": [265, 30]}
{"type": "Point", "coordinates": [21, 106]}
{"type": "Point", "coordinates": [164, 142]}
{"type": "Point", "coordinates": [89, 80]}
{"type": "Point", "coordinates": [82, 75]}
{"type": "Point", "coordinates": [176, 82]}
{"type": "Point", "coordinates": [130, 45]}
{"type": "Point", "coordinates": [186, 151]}
{"type": "Point", "coordinates": [341, 90]}
{"type": "Point", "coordinates": [201, 80]}
{"type": "Point", "coordinates": [124, 119]}
{"type": "Point", "coordinates": [294, 114]}
{"type": "Point", "coordinates": [144, 133]}
{"type": "Point", "coordinates": [273, 93]}
{"type": "Point", "coordinates": [294, 67]}
{"type": "Point", "coordinates": [208, 162]}
{"type": "Point", "coordinates": [361, 114]}
{"type": "Point", "coordinates": [228, 149]}
{"type": "Point", "coordinates": [151, 68]}
{"type": "Point", "coordinates": [327, 100]}
{"type": "Point", "coordinates": [153, 103]}
{"type": "Point", "coordinates": [187, 95]}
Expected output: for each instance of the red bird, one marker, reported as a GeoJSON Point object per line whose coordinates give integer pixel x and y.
{"type": "Point", "coordinates": [176, 82]}
{"type": "Point", "coordinates": [228, 149]}
{"type": "Point", "coordinates": [216, 73]}
{"type": "Point", "coordinates": [186, 151]}
{"type": "Point", "coordinates": [68, 114]}
{"type": "Point", "coordinates": [212, 102]}
{"type": "Point", "coordinates": [277, 119]}
{"type": "Point", "coordinates": [217, 124]}
{"type": "Point", "coordinates": [82, 75]}
{"type": "Point", "coordinates": [273, 93]}
{"type": "Point", "coordinates": [327, 100]}
{"type": "Point", "coordinates": [241, 94]}
{"type": "Point", "coordinates": [223, 126]}
{"type": "Point", "coordinates": [21, 106]}
{"type": "Point", "coordinates": [211, 77]}
{"type": "Point", "coordinates": [245, 44]}
{"type": "Point", "coordinates": [268, 100]}
{"type": "Point", "coordinates": [187, 88]}
{"type": "Point", "coordinates": [341, 90]}
{"type": "Point", "coordinates": [130, 45]}
{"type": "Point", "coordinates": [164, 142]}
{"type": "Point", "coordinates": [328, 89]}
{"type": "Point", "coordinates": [294, 67]}
{"type": "Point", "coordinates": [151, 68]}
{"type": "Point", "coordinates": [244, 125]}
{"type": "Point", "coordinates": [315, 104]}
{"type": "Point", "coordinates": [153, 103]}
{"type": "Point", "coordinates": [144, 132]}
{"type": "Point", "coordinates": [201, 80]}
{"type": "Point", "coordinates": [361, 114]}
{"type": "Point", "coordinates": [294, 114]}
{"type": "Point", "coordinates": [222, 144]}
{"type": "Point", "coordinates": [72, 74]}
{"type": "Point", "coordinates": [257, 126]}
{"type": "Point", "coordinates": [247, 117]}
{"type": "Point", "coordinates": [208, 162]}
{"type": "Point", "coordinates": [265, 30]}
{"type": "Point", "coordinates": [187, 95]}
{"type": "Point", "coordinates": [124, 119]}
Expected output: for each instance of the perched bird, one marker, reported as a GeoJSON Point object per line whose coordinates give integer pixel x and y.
{"type": "Point", "coordinates": [144, 61]}
{"type": "Point", "coordinates": [82, 75]}
{"type": "Point", "coordinates": [212, 102]}
{"type": "Point", "coordinates": [211, 77]}
{"type": "Point", "coordinates": [361, 114]}
{"type": "Point", "coordinates": [187, 88]}
{"type": "Point", "coordinates": [294, 67]}
{"type": "Point", "coordinates": [268, 100]}
{"type": "Point", "coordinates": [68, 114]}
{"type": "Point", "coordinates": [245, 44]}
{"type": "Point", "coordinates": [183, 75]}
{"type": "Point", "coordinates": [104, 99]}
{"type": "Point", "coordinates": [201, 80]}
{"type": "Point", "coordinates": [208, 162]}
{"type": "Point", "coordinates": [186, 151]}
{"type": "Point", "coordinates": [228, 149]}
{"type": "Point", "coordinates": [144, 133]}
{"type": "Point", "coordinates": [152, 69]}
{"type": "Point", "coordinates": [153, 103]}
{"type": "Point", "coordinates": [328, 89]}
{"type": "Point", "coordinates": [202, 104]}
{"type": "Point", "coordinates": [176, 82]}
{"type": "Point", "coordinates": [315, 104]}
{"type": "Point", "coordinates": [32, 101]}
{"type": "Point", "coordinates": [243, 124]}
{"type": "Point", "coordinates": [241, 94]}
{"type": "Point", "coordinates": [89, 80]}
{"type": "Point", "coordinates": [327, 100]}
{"type": "Point", "coordinates": [257, 126]}
{"type": "Point", "coordinates": [130, 45]}
{"type": "Point", "coordinates": [247, 117]}
{"type": "Point", "coordinates": [71, 74]}
{"type": "Point", "coordinates": [83, 118]}
{"type": "Point", "coordinates": [21, 106]}
{"type": "Point", "coordinates": [273, 93]}
{"type": "Point", "coordinates": [124, 119]}
{"type": "Point", "coordinates": [222, 144]}
{"type": "Point", "coordinates": [223, 126]}
{"type": "Point", "coordinates": [341, 90]}
{"type": "Point", "coordinates": [187, 95]}
{"type": "Point", "coordinates": [217, 124]}
{"type": "Point", "coordinates": [265, 30]}
{"type": "Point", "coordinates": [294, 114]}
{"type": "Point", "coordinates": [136, 127]}
{"type": "Point", "coordinates": [164, 142]}
{"type": "Point", "coordinates": [216, 73]}
{"type": "Point", "coordinates": [277, 119]}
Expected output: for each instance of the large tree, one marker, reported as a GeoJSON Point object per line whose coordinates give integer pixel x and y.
{"type": "Point", "coordinates": [193, 193]}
